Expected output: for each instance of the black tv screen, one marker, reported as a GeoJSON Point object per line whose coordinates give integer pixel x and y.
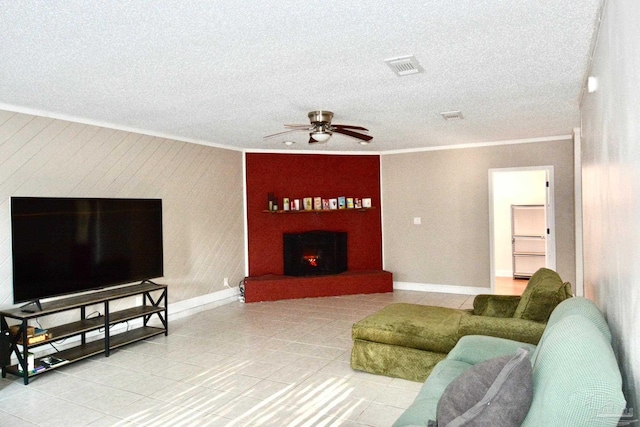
{"type": "Point", "coordinates": [66, 245]}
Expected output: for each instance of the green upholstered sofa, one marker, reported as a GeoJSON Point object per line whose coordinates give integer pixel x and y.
{"type": "Point", "coordinates": [407, 340]}
{"type": "Point", "coordinates": [575, 376]}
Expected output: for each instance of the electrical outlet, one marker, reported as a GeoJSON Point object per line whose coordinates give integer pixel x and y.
{"type": "Point", "coordinates": [226, 282]}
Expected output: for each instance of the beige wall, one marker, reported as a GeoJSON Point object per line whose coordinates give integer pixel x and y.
{"type": "Point", "coordinates": [448, 189]}
{"type": "Point", "coordinates": [611, 186]}
{"type": "Point", "coordinates": [200, 186]}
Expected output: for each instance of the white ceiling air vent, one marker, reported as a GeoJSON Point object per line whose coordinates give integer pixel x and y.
{"type": "Point", "coordinates": [404, 65]}
{"type": "Point", "coordinates": [452, 115]}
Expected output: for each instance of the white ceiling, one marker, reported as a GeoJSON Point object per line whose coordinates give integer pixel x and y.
{"type": "Point", "coordinates": [228, 72]}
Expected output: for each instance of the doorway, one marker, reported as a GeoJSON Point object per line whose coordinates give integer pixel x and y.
{"type": "Point", "coordinates": [517, 186]}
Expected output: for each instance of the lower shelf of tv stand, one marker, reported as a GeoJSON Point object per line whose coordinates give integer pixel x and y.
{"type": "Point", "coordinates": [117, 340]}
{"type": "Point", "coordinates": [92, 348]}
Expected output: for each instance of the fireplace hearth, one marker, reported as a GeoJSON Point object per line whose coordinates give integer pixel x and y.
{"type": "Point", "coordinates": [315, 253]}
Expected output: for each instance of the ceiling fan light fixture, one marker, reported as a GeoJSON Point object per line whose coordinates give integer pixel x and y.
{"type": "Point", "coordinates": [321, 129]}
{"type": "Point", "coordinates": [321, 136]}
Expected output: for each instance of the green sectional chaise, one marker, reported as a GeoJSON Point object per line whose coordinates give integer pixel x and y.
{"type": "Point", "coordinates": [407, 340]}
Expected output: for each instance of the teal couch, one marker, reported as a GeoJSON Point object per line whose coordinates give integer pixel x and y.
{"type": "Point", "coordinates": [575, 376]}
{"type": "Point", "coordinates": [408, 340]}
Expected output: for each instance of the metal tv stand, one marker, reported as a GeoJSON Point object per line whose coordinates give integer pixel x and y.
{"type": "Point", "coordinates": [94, 333]}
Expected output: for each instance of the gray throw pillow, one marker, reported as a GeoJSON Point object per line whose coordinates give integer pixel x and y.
{"type": "Point", "coordinates": [497, 392]}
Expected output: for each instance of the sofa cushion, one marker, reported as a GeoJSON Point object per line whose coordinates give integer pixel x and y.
{"type": "Point", "coordinates": [576, 379]}
{"type": "Point", "coordinates": [543, 293]}
{"type": "Point", "coordinates": [474, 349]}
{"type": "Point", "coordinates": [510, 328]}
{"type": "Point", "coordinates": [496, 392]}
{"type": "Point", "coordinates": [417, 326]}
{"type": "Point", "coordinates": [583, 307]}
{"type": "Point", "coordinates": [575, 306]}
{"type": "Point", "coordinates": [469, 351]}
{"type": "Point", "coordinates": [495, 305]}
{"type": "Point", "coordinates": [424, 407]}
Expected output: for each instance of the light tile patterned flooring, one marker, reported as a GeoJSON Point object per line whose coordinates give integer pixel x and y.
{"type": "Point", "coordinates": [283, 363]}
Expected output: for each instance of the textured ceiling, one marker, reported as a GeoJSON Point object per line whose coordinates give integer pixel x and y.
{"type": "Point", "coordinates": [226, 72]}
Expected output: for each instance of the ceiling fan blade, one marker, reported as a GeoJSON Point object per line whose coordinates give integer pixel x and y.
{"type": "Point", "coordinates": [281, 133]}
{"type": "Point", "coordinates": [304, 127]}
{"type": "Point", "coordinates": [354, 134]}
{"type": "Point", "coordinates": [349, 127]}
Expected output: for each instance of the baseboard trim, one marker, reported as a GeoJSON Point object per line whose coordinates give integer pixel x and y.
{"type": "Point", "coordinates": [445, 289]}
{"type": "Point", "coordinates": [191, 306]}
{"type": "Point", "coordinates": [504, 273]}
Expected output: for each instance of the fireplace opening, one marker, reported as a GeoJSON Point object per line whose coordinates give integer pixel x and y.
{"type": "Point", "coordinates": [315, 253]}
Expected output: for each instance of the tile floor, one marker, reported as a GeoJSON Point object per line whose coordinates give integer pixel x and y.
{"type": "Point", "coordinates": [283, 363]}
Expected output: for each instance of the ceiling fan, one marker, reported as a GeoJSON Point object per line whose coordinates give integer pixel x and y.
{"type": "Point", "coordinates": [321, 129]}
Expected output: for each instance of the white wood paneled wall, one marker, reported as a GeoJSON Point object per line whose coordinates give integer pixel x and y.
{"type": "Point", "coordinates": [200, 186]}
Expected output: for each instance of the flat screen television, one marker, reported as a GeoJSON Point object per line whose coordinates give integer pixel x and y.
{"type": "Point", "coordinates": [67, 245]}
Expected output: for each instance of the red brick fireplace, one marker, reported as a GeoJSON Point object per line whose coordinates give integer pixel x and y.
{"type": "Point", "coordinates": [296, 176]}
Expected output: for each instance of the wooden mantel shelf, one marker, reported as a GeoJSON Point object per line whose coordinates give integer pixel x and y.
{"type": "Point", "coordinates": [318, 211]}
